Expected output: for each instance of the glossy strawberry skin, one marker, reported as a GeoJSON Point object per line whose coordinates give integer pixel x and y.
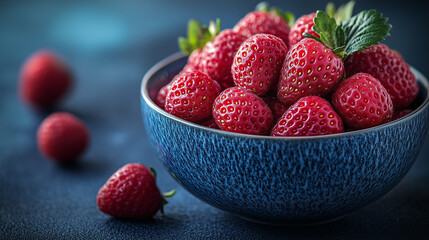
{"type": "Point", "coordinates": [362, 102]}
{"type": "Point", "coordinates": [218, 54]}
{"type": "Point", "coordinates": [237, 110]}
{"type": "Point", "coordinates": [62, 137]}
{"type": "Point", "coordinates": [310, 69]}
{"type": "Point", "coordinates": [45, 79]}
{"type": "Point", "coordinates": [263, 22]}
{"type": "Point", "coordinates": [194, 60]}
{"type": "Point", "coordinates": [130, 193]}
{"type": "Point", "coordinates": [257, 63]}
{"type": "Point", "coordinates": [309, 116]}
{"type": "Point", "coordinates": [390, 69]}
{"type": "Point", "coordinates": [161, 96]}
{"type": "Point", "coordinates": [191, 96]}
{"type": "Point", "coordinates": [302, 25]}
{"type": "Point", "coordinates": [277, 107]}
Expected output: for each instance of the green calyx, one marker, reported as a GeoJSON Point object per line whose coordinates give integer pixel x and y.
{"type": "Point", "coordinates": [343, 13]}
{"type": "Point", "coordinates": [198, 35]}
{"type": "Point", "coordinates": [164, 195]}
{"type": "Point", "coordinates": [363, 30]}
{"type": "Point", "coordinates": [287, 16]}
{"type": "Point", "coordinates": [163, 201]}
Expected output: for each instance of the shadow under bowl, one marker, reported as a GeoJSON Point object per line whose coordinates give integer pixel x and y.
{"type": "Point", "coordinates": [282, 180]}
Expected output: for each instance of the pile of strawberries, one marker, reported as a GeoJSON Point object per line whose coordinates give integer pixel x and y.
{"type": "Point", "coordinates": [326, 73]}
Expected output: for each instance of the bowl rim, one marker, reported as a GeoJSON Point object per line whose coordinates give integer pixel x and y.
{"type": "Point", "coordinates": [178, 56]}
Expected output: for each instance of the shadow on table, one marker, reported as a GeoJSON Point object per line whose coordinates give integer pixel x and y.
{"type": "Point", "coordinates": [376, 221]}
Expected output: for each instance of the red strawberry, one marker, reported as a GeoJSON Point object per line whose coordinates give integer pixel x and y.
{"type": "Point", "coordinates": [263, 22]}
{"type": "Point", "coordinates": [131, 193]}
{"type": "Point", "coordinates": [218, 55]}
{"type": "Point", "coordinates": [362, 102]}
{"type": "Point", "coordinates": [309, 116]}
{"type": "Point", "coordinates": [44, 80]}
{"type": "Point", "coordinates": [277, 107]}
{"type": "Point", "coordinates": [302, 25]}
{"type": "Point", "coordinates": [390, 69]}
{"type": "Point", "coordinates": [194, 60]}
{"type": "Point", "coordinates": [191, 96]}
{"type": "Point", "coordinates": [237, 110]}
{"type": "Point", "coordinates": [210, 123]}
{"type": "Point", "coordinates": [310, 68]}
{"type": "Point", "coordinates": [257, 63]}
{"type": "Point", "coordinates": [162, 94]}
{"type": "Point", "coordinates": [401, 113]}
{"type": "Point", "coordinates": [62, 137]}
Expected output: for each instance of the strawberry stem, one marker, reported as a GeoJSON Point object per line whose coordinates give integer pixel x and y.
{"type": "Point", "coordinates": [164, 195]}
{"type": "Point", "coordinates": [287, 16]}
{"type": "Point", "coordinates": [169, 194]}
{"type": "Point", "coordinates": [198, 36]}
{"type": "Point", "coordinates": [164, 201]}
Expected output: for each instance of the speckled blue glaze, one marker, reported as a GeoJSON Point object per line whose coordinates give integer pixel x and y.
{"type": "Point", "coordinates": [293, 180]}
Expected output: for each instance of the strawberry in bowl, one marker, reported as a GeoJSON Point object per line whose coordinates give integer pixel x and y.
{"type": "Point", "coordinates": [309, 164]}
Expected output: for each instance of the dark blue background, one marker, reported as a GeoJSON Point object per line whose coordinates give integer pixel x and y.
{"type": "Point", "coordinates": [110, 45]}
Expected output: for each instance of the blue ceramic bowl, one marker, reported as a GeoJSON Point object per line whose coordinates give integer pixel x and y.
{"type": "Point", "coordinates": [282, 180]}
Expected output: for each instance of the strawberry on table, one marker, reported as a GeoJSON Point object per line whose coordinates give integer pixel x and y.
{"type": "Point", "coordinates": [264, 20]}
{"type": "Point", "coordinates": [309, 116]}
{"type": "Point", "coordinates": [257, 63]}
{"type": "Point", "coordinates": [131, 193]}
{"type": "Point", "coordinates": [191, 96]}
{"type": "Point", "coordinates": [314, 66]}
{"type": "Point", "coordinates": [362, 102]}
{"type": "Point", "coordinates": [45, 79]}
{"type": "Point", "coordinates": [237, 110]}
{"type": "Point", "coordinates": [62, 137]}
{"type": "Point", "coordinates": [390, 69]}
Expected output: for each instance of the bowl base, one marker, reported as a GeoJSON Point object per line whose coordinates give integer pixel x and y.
{"type": "Point", "coordinates": [290, 223]}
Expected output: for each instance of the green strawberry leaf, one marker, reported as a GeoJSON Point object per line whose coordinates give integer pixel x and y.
{"type": "Point", "coordinates": [198, 36]}
{"type": "Point", "coordinates": [288, 17]}
{"type": "Point", "coordinates": [330, 33]}
{"type": "Point", "coordinates": [214, 28]}
{"type": "Point", "coordinates": [330, 9]}
{"type": "Point", "coordinates": [263, 6]}
{"type": "Point", "coordinates": [307, 35]}
{"type": "Point", "coordinates": [344, 12]}
{"type": "Point", "coordinates": [363, 30]}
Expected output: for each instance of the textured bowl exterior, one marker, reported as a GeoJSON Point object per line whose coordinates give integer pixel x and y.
{"type": "Point", "coordinates": [292, 180]}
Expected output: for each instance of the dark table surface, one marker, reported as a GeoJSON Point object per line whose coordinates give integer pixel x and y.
{"type": "Point", "coordinates": [110, 45]}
